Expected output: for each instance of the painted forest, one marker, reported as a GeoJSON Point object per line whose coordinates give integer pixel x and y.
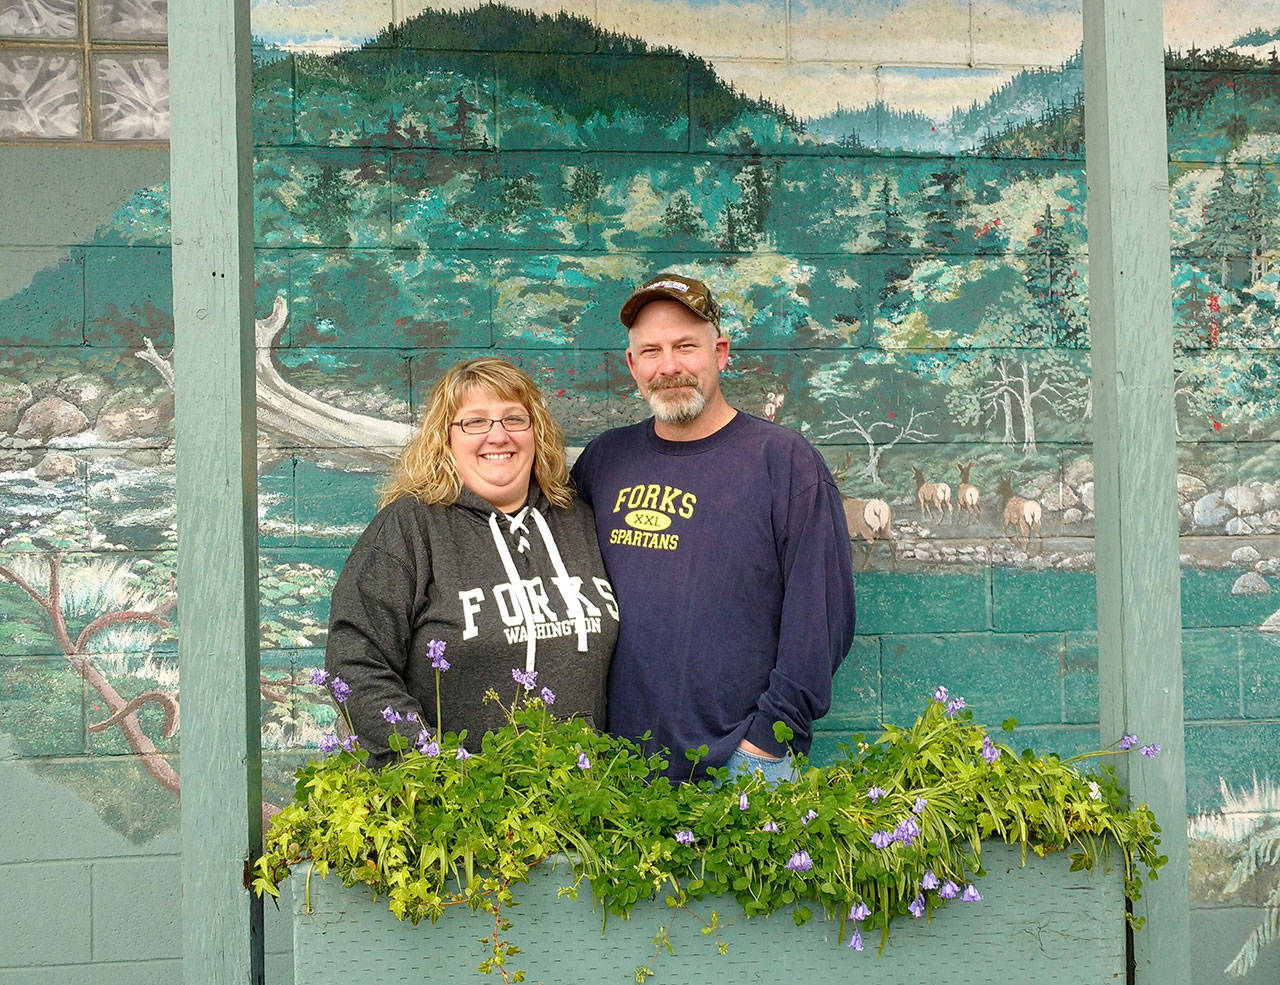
{"type": "Point", "coordinates": [910, 295]}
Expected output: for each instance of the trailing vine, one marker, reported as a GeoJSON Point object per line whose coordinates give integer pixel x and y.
{"type": "Point", "coordinates": [892, 830]}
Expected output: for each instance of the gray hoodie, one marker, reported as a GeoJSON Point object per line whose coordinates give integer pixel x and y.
{"type": "Point", "coordinates": [526, 591]}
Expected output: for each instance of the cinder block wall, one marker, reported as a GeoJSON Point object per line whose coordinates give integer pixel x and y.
{"type": "Point", "coordinates": [496, 182]}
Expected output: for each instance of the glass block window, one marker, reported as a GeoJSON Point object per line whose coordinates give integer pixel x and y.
{"type": "Point", "coordinates": [84, 70]}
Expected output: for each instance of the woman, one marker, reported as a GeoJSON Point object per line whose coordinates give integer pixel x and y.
{"type": "Point", "coordinates": [481, 544]}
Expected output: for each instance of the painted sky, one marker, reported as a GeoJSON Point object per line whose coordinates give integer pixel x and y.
{"type": "Point", "coordinates": [829, 52]}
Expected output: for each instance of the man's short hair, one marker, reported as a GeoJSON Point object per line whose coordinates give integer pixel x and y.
{"type": "Point", "coordinates": [692, 293]}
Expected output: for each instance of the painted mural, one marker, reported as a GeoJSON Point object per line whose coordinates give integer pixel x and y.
{"type": "Point", "coordinates": [898, 240]}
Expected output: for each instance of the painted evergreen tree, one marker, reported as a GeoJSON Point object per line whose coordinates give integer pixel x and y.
{"type": "Point", "coordinates": [945, 204]}
{"type": "Point", "coordinates": [1223, 237]}
{"type": "Point", "coordinates": [460, 125]}
{"type": "Point", "coordinates": [1054, 284]}
{"type": "Point", "coordinates": [733, 235]}
{"type": "Point", "coordinates": [756, 186]}
{"type": "Point", "coordinates": [325, 209]}
{"type": "Point", "coordinates": [890, 234]}
{"type": "Point", "coordinates": [1261, 220]}
{"type": "Point", "coordinates": [585, 183]}
{"type": "Point", "coordinates": [1197, 311]}
{"type": "Point", "coordinates": [680, 215]}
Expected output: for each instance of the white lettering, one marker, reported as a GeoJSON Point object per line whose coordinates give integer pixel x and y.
{"type": "Point", "coordinates": [508, 604]}
{"type": "Point", "coordinates": [470, 600]}
{"type": "Point", "coordinates": [606, 593]}
{"type": "Point", "coordinates": [570, 589]}
{"type": "Point", "coordinates": [538, 600]}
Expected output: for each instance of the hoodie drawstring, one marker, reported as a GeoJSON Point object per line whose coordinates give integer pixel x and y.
{"type": "Point", "coordinates": [521, 591]}
{"type": "Point", "coordinates": [517, 584]}
{"type": "Point", "coordinates": [562, 574]}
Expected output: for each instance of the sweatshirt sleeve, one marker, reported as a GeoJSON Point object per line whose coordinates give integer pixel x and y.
{"type": "Point", "coordinates": [370, 630]}
{"type": "Point", "coordinates": [817, 617]}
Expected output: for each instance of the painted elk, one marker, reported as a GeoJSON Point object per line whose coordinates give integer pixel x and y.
{"type": "Point", "coordinates": [931, 494]}
{"type": "Point", "coordinates": [871, 520]}
{"type": "Point", "coordinates": [1020, 514]}
{"type": "Point", "coordinates": [967, 496]}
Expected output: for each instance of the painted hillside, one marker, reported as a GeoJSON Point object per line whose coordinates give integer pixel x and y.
{"type": "Point", "coordinates": [908, 292]}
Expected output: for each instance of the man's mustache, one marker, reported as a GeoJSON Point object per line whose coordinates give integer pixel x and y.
{"type": "Point", "coordinates": [674, 381]}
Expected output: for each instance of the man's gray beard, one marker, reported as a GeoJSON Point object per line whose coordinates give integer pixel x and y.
{"type": "Point", "coordinates": [680, 412]}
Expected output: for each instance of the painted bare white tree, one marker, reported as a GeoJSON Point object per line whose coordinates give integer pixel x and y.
{"type": "Point", "coordinates": [880, 434]}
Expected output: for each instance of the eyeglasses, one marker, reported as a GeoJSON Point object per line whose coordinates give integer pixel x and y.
{"type": "Point", "coordinates": [483, 425]}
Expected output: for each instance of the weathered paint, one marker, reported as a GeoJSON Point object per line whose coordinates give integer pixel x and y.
{"type": "Point", "coordinates": [1135, 465]}
{"type": "Point", "coordinates": [214, 386]}
{"type": "Point", "coordinates": [434, 250]}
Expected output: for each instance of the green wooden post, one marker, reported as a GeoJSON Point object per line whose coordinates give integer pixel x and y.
{"type": "Point", "coordinates": [212, 231]}
{"type": "Point", "coordinates": [1135, 461]}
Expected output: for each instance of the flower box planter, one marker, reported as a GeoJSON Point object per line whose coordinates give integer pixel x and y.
{"type": "Point", "coordinates": [1036, 925]}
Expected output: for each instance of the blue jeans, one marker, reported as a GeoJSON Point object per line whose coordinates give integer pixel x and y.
{"type": "Point", "coordinates": [773, 770]}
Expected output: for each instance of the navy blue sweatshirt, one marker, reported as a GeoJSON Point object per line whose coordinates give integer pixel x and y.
{"type": "Point", "coordinates": [731, 562]}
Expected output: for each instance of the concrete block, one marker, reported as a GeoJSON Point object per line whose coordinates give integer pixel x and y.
{"type": "Point", "coordinates": [44, 292]}
{"type": "Point", "coordinates": [855, 692]}
{"type": "Point", "coordinates": [1211, 673]}
{"type": "Point", "coordinates": [1080, 678]}
{"type": "Point", "coordinates": [921, 110]}
{"type": "Point", "coordinates": [998, 675]}
{"type": "Point", "coordinates": [556, 300]}
{"type": "Point", "coordinates": [512, 201]}
{"type": "Point", "coordinates": [1260, 670]}
{"type": "Point", "coordinates": [1065, 740]}
{"type": "Point", "coordinates": [161, 972]}
{"type": "Point", "coordinates": [278, 504]}
{"type": "Point", "coordinates": [388, 298]}
{"type": "Point", "coordinates": [131, 674]}
{"type": "Point", "coordinates": [1218, 933]}
{"type": "Point", "coordinates": [273, 93]}
{"type": "Point", "coordinates": [42, 706]}
{"type": "Point", "coordinates": [592, 102]}
{"type": "Point", "coordinates": [135, 503]}
{"type": "Point", "coordinates": [128, 296]}
{"type": "Point", "coordinates": [294, 589]}
{"type": "Point", "coordinates": [817, 107]}
{"type": "Point", "coordinates": [396, 98]}
{"type": "Point", "coordinates": [581, 388]}
{"type": "Point", "coordinates": [334, 506]}
{"type": "Point", "coordinates": [319, 196]}
{"type": "Point", "coordinates": [736, 30]}
{"type": "Point", "coordinates": [1258, 105]}
{"type": "Point", "coordinates": [368, 382]}
{"type": "Point", "coordinates": [137, 907]}
{"type": "Point", "coordinates": [896, 604]}
{"type": "Point", "coordinates": [1015, 34]}
{"type": "Point", "coordinates": [425, 366]}
{"type": "Point", "coordinates": [46, 913]}
{"type": "Point", "coordinates": [811, 305]}
{"type": "Point", "coordinates": [47, 213]}
{"type": "Point", "coordinates": [1202, 107]}
{"type": "Point", "coordinates": [1043, 601]}
{"type": "Point", "coordinates": [878, 33]}
{"type": "Point", "coordinates": [1207, 599]}
{"type": "Point", "coordinates": [1230, 751]}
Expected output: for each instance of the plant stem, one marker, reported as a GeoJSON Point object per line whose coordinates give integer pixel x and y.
{"type": "Point", "coordinates": [439, 730]}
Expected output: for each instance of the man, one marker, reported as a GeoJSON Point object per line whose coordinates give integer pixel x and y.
{"type": "Point", "coordinates": [724, 536]}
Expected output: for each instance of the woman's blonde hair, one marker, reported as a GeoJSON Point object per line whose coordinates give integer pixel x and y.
{"type": "Point", "coordinates": [426, 469]}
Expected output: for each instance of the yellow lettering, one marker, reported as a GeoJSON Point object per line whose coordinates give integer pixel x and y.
{"type": "Point", "coordinates": [669, 494]}
{"type": "Point", "coordinates": [687, 502]}
{"type": "Point", "coordinates": [622, 494]}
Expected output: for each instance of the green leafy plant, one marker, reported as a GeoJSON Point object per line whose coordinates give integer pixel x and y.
{"type": "Point", "coordinates": [893, 829]}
